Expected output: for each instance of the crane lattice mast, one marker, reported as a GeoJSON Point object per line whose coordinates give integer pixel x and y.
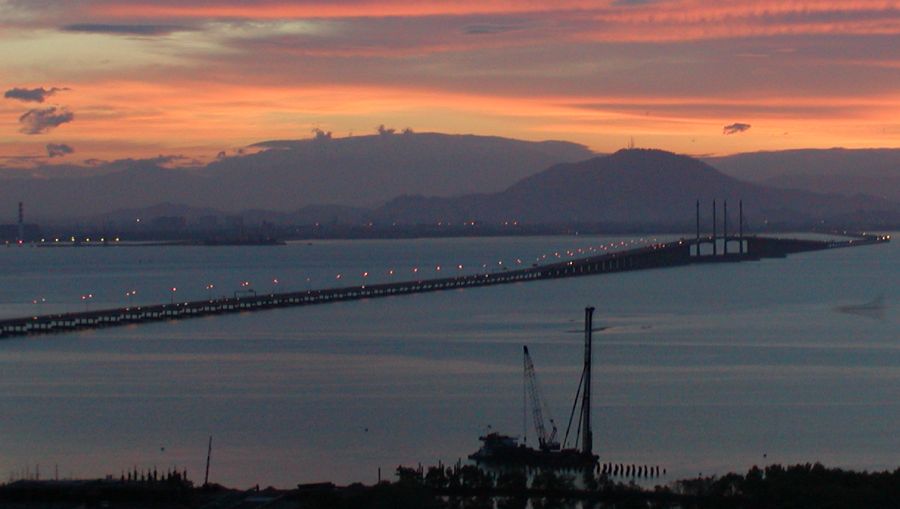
{"type": "Point", "coordinates": [545, 441]}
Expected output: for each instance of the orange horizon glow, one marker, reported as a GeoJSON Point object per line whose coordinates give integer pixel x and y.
{"type": "Point", "coordinates": [231, 117]}
{"type": "Point", "coordinates": [150, 78]}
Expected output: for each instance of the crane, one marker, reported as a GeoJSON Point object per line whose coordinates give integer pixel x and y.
{"type": "Point", "coordinates": [547, 442]}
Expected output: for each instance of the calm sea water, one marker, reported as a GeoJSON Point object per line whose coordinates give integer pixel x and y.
{"type": "Point", "coordinates": [699, 369]}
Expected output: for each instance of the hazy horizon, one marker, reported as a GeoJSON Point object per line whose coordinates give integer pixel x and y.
{"type": "Point", "coordinates": [433, 178]}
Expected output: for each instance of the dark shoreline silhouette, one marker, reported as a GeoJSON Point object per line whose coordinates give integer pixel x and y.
{"type": "Point", "coordinates": [774, 486]}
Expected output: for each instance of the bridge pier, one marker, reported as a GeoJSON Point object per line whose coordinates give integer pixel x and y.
{"type": "Point", "coordinates": [726, 239]}
{"type": "Point", "coordinates": [671, 254]}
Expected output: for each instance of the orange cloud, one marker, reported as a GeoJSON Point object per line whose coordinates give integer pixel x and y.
{"type": "Point", "coordinates": [612, 20]}
{"type": "Point", "coordinates": [196, 120]}
{"type": "Point", "coordinates": [683, 10]}
{"type": "Point", "coordinates": [803, 73]}
{"type": "Point", "coordinates": [325, 9]}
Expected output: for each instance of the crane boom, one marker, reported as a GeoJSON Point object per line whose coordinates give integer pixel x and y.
{"type": "Point", "coordinates": [546, 441]}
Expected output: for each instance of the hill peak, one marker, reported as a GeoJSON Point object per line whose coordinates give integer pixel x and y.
{"type": "Point", "coordinates": [653, 155]}
{"type": "Point", "coordinates": [641, 166]}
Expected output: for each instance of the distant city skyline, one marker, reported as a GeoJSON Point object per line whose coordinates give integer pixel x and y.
{"type": "Point", "coordinates": [103, 80]}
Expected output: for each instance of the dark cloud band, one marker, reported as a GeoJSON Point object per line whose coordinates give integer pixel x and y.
{"type": "Point", "coordinates": [735, 128]}
{"type": "Point", "coordinates": [58, 149]}
{"type": "Point", "coordinates": [38, 95]}
{"type": "Point", "coordinates": [39, 121]}
{"type": "Point", "coordinates": [102, 28]}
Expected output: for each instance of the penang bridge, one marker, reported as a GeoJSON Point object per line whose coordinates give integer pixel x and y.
{"type": "Point", "coordinates": [701, 249]}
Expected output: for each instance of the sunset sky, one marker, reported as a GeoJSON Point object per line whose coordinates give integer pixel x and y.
{"type": "Point", "coordinates": [105, 79]}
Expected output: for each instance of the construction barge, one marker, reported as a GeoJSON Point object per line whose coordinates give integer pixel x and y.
{"type": "Point", "coordinates": [504, 451]}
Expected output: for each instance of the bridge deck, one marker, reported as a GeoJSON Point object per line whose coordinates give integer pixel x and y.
{"type": "Point", "coordinates": [671, 254]}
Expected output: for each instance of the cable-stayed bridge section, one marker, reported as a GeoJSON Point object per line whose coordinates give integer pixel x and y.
{"type": "Point", "coordinates": [702, 249]}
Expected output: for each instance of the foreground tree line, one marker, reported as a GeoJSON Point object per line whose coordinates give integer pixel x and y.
{"type": "Point", "coordinates": [470, 487]}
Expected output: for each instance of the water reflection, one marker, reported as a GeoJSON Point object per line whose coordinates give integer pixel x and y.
{"type": "Point", "coordinates": [701, 369]}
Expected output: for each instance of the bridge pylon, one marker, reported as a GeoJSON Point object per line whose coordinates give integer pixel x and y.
{"type": "Point", "coordinates": [726, 239]}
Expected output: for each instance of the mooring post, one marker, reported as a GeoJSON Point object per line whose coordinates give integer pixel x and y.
{"type": "Point", "coordinates": [715, 251]}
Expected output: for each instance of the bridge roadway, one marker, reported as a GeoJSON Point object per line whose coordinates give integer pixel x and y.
{"type": "Point", "coordinates": [671, 254]}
